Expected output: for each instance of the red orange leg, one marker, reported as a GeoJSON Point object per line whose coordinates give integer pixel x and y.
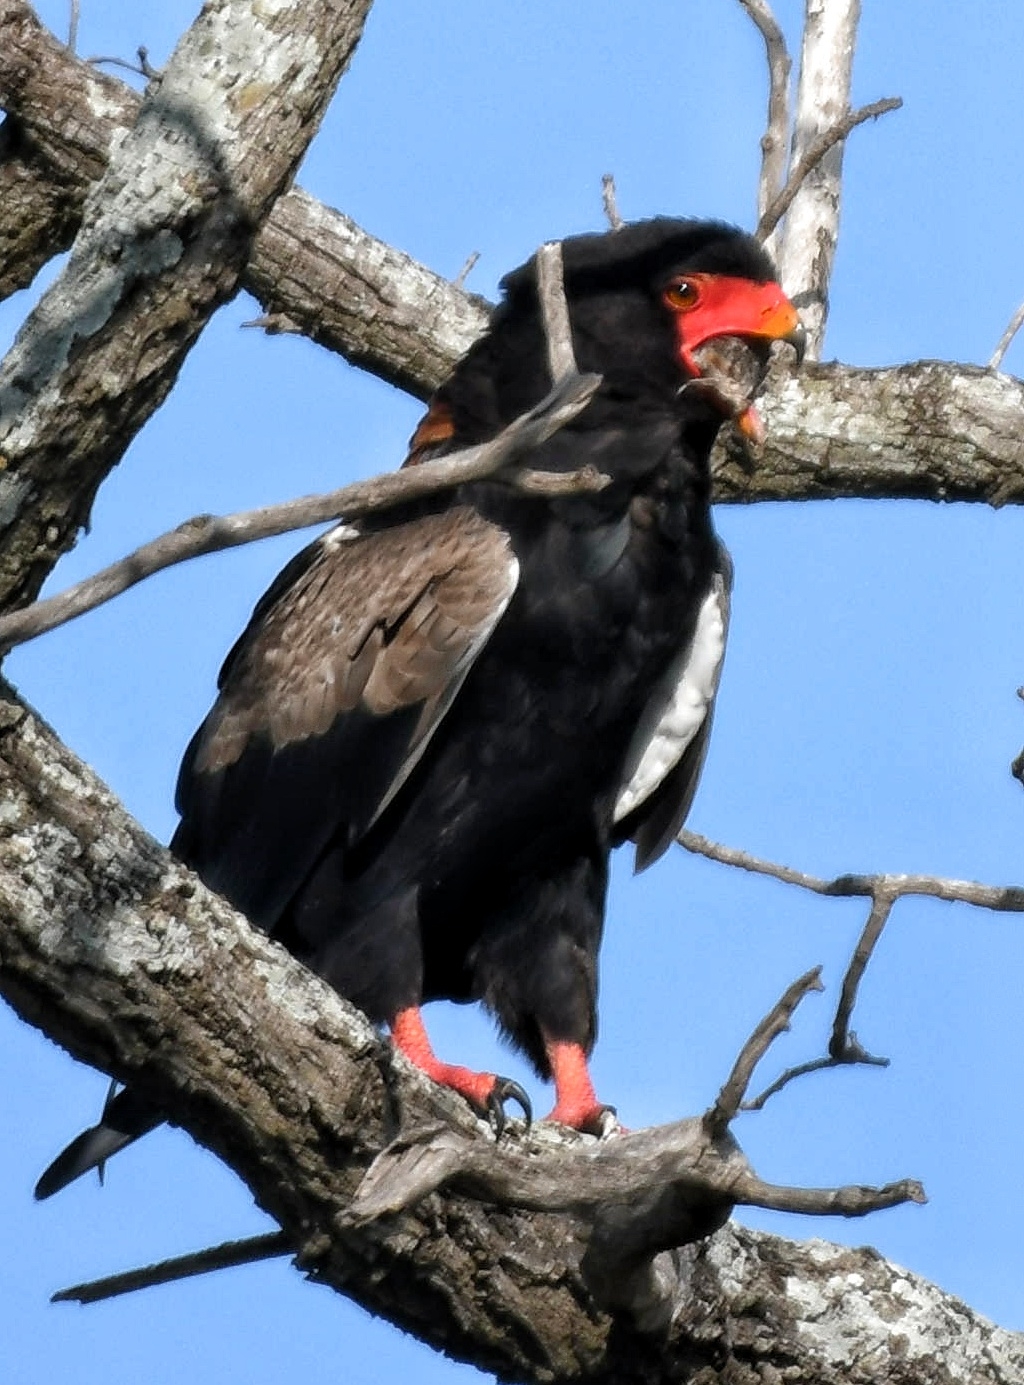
{"type": "Point", "coordinates": [483, 1090]}
{"type": "Point", "coordinates": [576, 1102]}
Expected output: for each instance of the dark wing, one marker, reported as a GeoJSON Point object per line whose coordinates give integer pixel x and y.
{"type": "Point", "coordinates": [668, 750]}
{"type": "Point", "coordinates": [332, 695]}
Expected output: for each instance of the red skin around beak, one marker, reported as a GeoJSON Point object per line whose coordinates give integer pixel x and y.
{"type": "Point", "coordinates": [724, 306]}
{"type": "Point", "coordinates": [728, 307]}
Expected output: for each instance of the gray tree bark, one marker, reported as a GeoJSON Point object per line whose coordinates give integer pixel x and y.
{"type": "Point", "coordinates": [120, 955]}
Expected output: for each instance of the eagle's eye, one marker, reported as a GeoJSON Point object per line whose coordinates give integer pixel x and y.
{"type": "Point", "coordinates": [682, 294]}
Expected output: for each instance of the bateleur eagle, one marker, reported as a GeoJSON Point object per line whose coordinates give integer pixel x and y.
{"type": "Point", "coordinates": [439, 723]}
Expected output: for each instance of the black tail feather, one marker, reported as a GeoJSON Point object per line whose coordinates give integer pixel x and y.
{"type": "Point", "coordinates": [125, 1117]}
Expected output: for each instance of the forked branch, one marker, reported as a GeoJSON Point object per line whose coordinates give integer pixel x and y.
{"type": "Point", "coordinates": [883, 890]}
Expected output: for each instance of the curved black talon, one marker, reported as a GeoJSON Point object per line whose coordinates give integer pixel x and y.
{"type": "Point", "coordinates": [505, 1089]}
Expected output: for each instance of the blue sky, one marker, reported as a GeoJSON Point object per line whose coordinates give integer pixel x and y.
{"type": "Point", "coordinates": [867, 716]}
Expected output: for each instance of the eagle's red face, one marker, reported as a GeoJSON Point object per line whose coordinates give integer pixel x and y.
{"type": "Point", "coordinates": [708, 306]}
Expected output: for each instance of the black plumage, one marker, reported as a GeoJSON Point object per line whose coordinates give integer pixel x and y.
{"type": "Point", "coordinates": [434, 731]}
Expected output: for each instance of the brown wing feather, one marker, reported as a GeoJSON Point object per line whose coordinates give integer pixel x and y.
{"type": "Point", "coordinates": [380, 622]}
{"type": "Point", "coordinates": [330, 697]}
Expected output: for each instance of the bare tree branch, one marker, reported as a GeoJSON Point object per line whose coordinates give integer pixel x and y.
{"type": "Point", "coordinates": [262, 1046]}
{"type": "Point", "coordinates": [807, 246]}
{"type": "Point", "coordinates": [163, 245]}
{"type": "Point", "coordinates": [610, 201]}
{"type": "Point", "coordinates": [730, 1099]}
{"type": "Point", "coordinates": [844, 1048]}
{"type": "Point", "coordinates": [472, 259]}
{"type": "Point", "coordinates": [142, 68]}
{"type": "Point", "coordinates": [1003, 345]}
{"type": "Point", "coordinates": [816, 151]}
{"type": "Point", "coordinates": [555, 312]}
{"type": "Point", "coordinates": [883, 890]}
{"type": "Point", "coordinates": [222, 1257]}
{"type": "Point", "coordinates": [1002, 898]}
{"type": "Point", "coordinates": [776, 135]}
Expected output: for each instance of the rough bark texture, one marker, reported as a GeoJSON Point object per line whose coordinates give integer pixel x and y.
{"type": "Point", "coordinates": [134, 966]}
{"type": "Point", "coordinates": [808, 245]}
{"type": "Point", "coordinates": [162, 242]}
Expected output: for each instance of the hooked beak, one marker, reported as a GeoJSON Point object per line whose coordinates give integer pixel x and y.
{"type": "Point", "coordinates": [797, 339]}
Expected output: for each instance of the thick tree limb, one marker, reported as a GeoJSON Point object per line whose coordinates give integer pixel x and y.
{"type": "Point", "coordinates": [162, 245]}
{"type": "Point", "coordinates": [807, 246]}
{"type": "Point", "coordinates": [265, 1064]}
{"type": "Point", "coordinates": [924, 431]}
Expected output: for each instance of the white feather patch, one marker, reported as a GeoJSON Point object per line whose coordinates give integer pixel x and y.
{"type": "Point", "coordinates": [659, 748]}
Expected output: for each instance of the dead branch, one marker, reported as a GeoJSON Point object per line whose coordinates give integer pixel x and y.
{"type": "Point", "coordinates": [773, 141]}
{"type": "Point", "coordinates": [730, 1099]}
{"type": "Point", "coordinates": [813, 156]}
{"type": "Point", "coordinates": [640, 1194]}
{"type": "Point", "coordinates": [222, 1257]}
{"type": "Point", "coordinates": [555, 312]}
{"type": "Point", "coordinates": [1003, 345]}
{"type": "Point", "coordinates": [262, 1046]}
{"type": "Point", "coordinates": [883, 890]}
{"type": "Point", "coordinates": [162, 245]}
{"type": "Point", "coordinates": [211, 533]}
{"type": "Point", "coordinates": [844, 1048]}
{"type": "Point", "coordinates": [142, 68]}
{"type": "Point", "coordinates": [610, 201]}
{"type": "Point", "coordinates": [806, 248]}
{"type": "Point", "coordinates": [1001, 898]}
{"type": "Point", "coordinates": [472, 260]}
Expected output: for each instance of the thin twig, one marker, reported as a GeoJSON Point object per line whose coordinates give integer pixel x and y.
{"type": "Point", "coordinates": [141, 68]}
{"type": "Point", "coordinates": [780, 205]}
{"type": "Point", "coordinates": [210, 533]}
{"type": "Point", "coordinates": [610, 201]}
{"type": "Point", "coordinates": [585, 480]}
{"type": "Point", "coordinates": [729, 1101]}
{"type": "Point", "coordinates": [1008, 899]}
{"type": "Point", "coordinates": [467, 269]}
{"type": "Point", "coordinates": [773, 141]}
{"type": "Point", "coordinates": [275, 324]}
{"type": "Point", "coordinates": [1013, 327]}
{"type": "Point", "coordinates": [843, 1046]}
{"type": "Point", "coordinates": [222, 1257]}
{"type": "Point", "coordinates": [73, 25]}
{"type": "Point", "coordinates": [555, 311]}
{"type": "Point", "coordinates": [145, 66]}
